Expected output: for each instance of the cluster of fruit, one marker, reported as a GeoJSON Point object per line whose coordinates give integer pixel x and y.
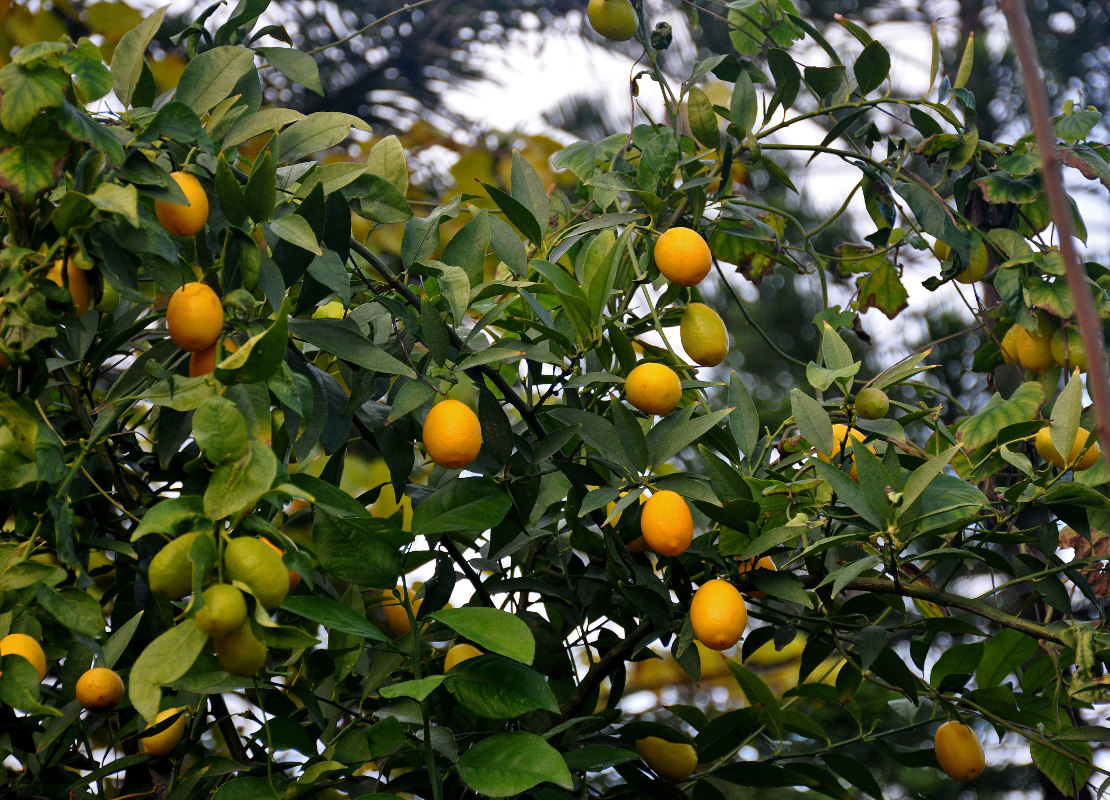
{"type": "Point", "coordinates": [1044, 348]}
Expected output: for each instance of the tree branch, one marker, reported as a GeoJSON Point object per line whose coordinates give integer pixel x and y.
{"type": "Point", "coordinates": [602, 668]}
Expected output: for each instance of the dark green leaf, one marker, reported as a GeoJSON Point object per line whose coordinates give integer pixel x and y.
{"type": "Point", "coordinates": [510, 763]}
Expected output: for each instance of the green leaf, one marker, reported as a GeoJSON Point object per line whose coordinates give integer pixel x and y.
{"type": "Point", "coordinates": [211, 76]}
{"type": "Point", "coordinates": [116, 199]}
{"type": "Point", "coordinates": [163, 661]}
{"type": "Point", "coordinates": [491, 629]}
{"type": "Point", "coordinates": [333, 616]}
{"type": "Point", "coordinates": [237, 485]}
{"type": "Point", "coordinates": [657, 161]}
{"type": "Point", "coordinates": [516, 213]}
{"type": "Point", "coordinates": [788, 80]}
{"type": "Point", "coordinates": [296, 230]}
{"type": "Point", "coordinates": [744, 104]}
{"type": "Point", "coordinates": [387, 160]}
{"type": "Point", "coordinates": [20, 685]}
{"type": "Point", "coordinates": [743, 423]}
{"type": "Point", "coordinates": [128, 57]}
{"type": "Point", "coordinates": [261, 195]}
{"type": "Point", "coordinates": [883, 289]}
{"type": "Point", "coordinates": [27, 92]}
{"type": "Point", "coordinates": [759, 696]}
{"type": "Point", "coordinates": [813, 421]}
{"type": "Point", "coordinates": [924, 475]}
{"type": "Point", "coordinates": [1004, 653]}
{"type": "Point", "coordinates": [362, 550]}
{"type": "Point", "coordinates": [418, 690]}
{"type": "Point", "coordinates": [465, 505]}
{"type": "Point", "coordinates": [314, 133]}
{"type": "Point", "coordinates": [703, 119]}
{"type": "Point", "coordinates": [871, 68]}
{"type": "Point", "coordinates": [677, 431]}
{"type": "Point", "coordinates": [1065, 415]}
{"type": "Point", "coordinates": [74, 608]}
{"type": "Point", "coordinates": [171, 516]}
{"type": "Point", "coordinates": [494, 687]}
{"type": "Point", "coordinates": [297, 65]}
{"type": "Point", "coordinates": [229, 193]}
{"type": "Point", "coordinates": [1066, 773]}
{"type": "Point", "coordinates": [933, 216]}
{"type": "Point", "coordinates": [342, 339]}
{"type": "Point", "coordinates": [33, 165]}
{"type": "Point", "coordinates": [220, 430]}
{"type": "Point", "coordinates": [510, 763]}
{"type": "Point", "coordinates": [1079, 125]}
{"type": "Point", "coordinates": [528, 190]}
{"type": "Point", "coordinates": [380, 200]}
{"type": "Point", "coordinates": [85, 66]}
{"type": "Point", "coordinates": [998, 414]}
{"type": "Point", "coordinates": [250, 125]}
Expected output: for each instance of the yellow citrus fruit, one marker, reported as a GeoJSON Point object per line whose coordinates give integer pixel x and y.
{"type": "Point", "coordinates": [653, 388]}
{"type": "Point", "coordinates": [672, 761]}
{"type": "Point", "coordinates": [452, 434]}
{"type": "Point", "coordinates": [611, 505]}
{"type": "Point", "coordinates": [171, 572]}
{"type": "Point", "coordinates": [99, 689]}
{"type": "Point", "coordinates": [224, 610]}
{"type": "Point", "coordinates": [194, 317]}
{"type": "Point", "coordinates": [764, 562]}
{"type": "Point", "coordinates": [703, 335]}
{"type": "Point", "coordinates": [977, 265]}
{"type": "Point", "coordinates": [240, 653]}
{"type": "Point", "coordinates": [1008, 344]}
{"type": "Point", "coordinates": [666, 523]}
{"type": "Point", "coordinates": [459, 653]}
{"type": "Point", "coordinates": [78, 284]}
{"type": "Point", "coordinates": [959, 751]}
{"type": "Point", "coordinates": [395, 615]}
{"type": "Point", "coordinates": [253, 562]}
{"type": "Point", "coordinates": [718, 614]}
{"type": "Point", "coordinates": [20, 644]}
{"type": "Point", "coordinates": [682, 256]}
{"type": "Point", "coordinates": [1047, 450]}
{"type": "Point", "coordinates": [842, 437]}
{"type": "Point", "coordinates": [294, 578]}
{"type": "Point", "coordinates": [1068, 349]}
{"type": "Point", "coordinates": [1034, 348]}
{"type": "Point", "coordinates": [162, 743]}
{"type": "Point", "coordinates": [184, 220]}
{"type": "Point", "coordinates": [872, 403]}
{"type": "Point", "coordinates": [613, 19]}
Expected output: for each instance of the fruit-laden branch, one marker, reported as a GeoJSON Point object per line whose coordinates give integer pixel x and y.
{"type": "Point", "coordinates": [602, 668]}
{"type": "Point", "coordinates": [1090, 327]}
{"type": "Point", "coordinates": [977, 607]}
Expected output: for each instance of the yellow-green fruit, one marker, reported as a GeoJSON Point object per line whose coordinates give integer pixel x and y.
{"type": "Point", "coordinates": [75, 280]}
{"type": "Point", "coordinates": [109, 299]}
{"type": "Point", "coordinates": [224, 611]}
{"type": "Point", "coordinates": [1068, 349]}
{"type": "Point", "coordinates": [674, 761]}
{"type": "Point", "coordinates": [1034, 348]}
{"type": "Point", "coordinates": [703, 333]}
{"type": "Point", "coordinates": [613, 19]}
{"type": "Point", "coordinates": [959, 751]}
{"type": "Point", "coordinates": [251, 561]}
{"type": "Point", "coordinates": [1047, 450]}
{"type": "Point", "coordinates": [1008, 345]}
{"type": "Point", "coordinates": [162, 743]}
{"type": "Point", "coordinates": [171, 572]}
{"type": "Point", "coordinates": [872, 403]}
{"type": "Point", "coordinates": [977, 265]}
{"type": "Point", "coordinates": [240, 653]}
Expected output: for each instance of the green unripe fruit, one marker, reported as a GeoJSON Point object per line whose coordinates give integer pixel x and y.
{"type": "Point", "coordinates": [240, 653]}
{"type": "Point", "coordinates": [258, 566]}
{"type": "Point", "coordinates": [1068, 349]}
{"type": "Point", "coordinates": [613, 19]}
{"type": "Point", "coordinates": [171, 572]}
{"type": "Point", "coordinates": [224, 611]}
{"type": "Point", "coordinates": [872, 403]}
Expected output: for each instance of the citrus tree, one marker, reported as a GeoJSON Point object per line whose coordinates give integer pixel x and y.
{"type": "Point", "coordinates": [235, 436]}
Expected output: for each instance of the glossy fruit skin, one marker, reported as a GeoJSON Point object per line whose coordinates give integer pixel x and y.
{"type": "Point", "coordinates": [79, 288]}
{"type": "Point", "coordinates": [1047, 450]}
{"type": "Point", "coordinates": [20, 644]}
{"type": "Point", "coordinates": [703, 334]}
{"type": "Point", "coordinates": [672, 761]}
{"type": "Point", "coordinates": [99, 689]}
{"type": "Point", "coordinates": [171, 572]}
{"type": "Point", "coordinates": [240, 653]}
{"type": "Point", "coordinates": [666, 523]}
{"type": "Point", "coordinates": [763, 562]}
{"type": "Point", "coordinates": [194, 317]}
{"type": "Point", "coordinates": [459, 653]}
{"type": "Point", "coordinates": [161, 744]}
{"type": "Point", "coordinates": [959, 751]}
{"type": "Point", "coordinates": [872, 403]}
{"type": "Point", "coordinates": [1008, 345]}
{"type": "Point", "coordinates": [682, 256]}
{"type": "Point", "coordinates": [653, 388]}
{"type": "Point", "coordinates": [613, 19]}
{"type": "Point", "coordinates": [184, 220]}
{"type": "Point", "coordinates": [256, 564]}
{"type": "Point", "coordinates": [1068, 349]}
{"type": "Point", "coordinates": [718, 614]}
{"type": "Point", "coordinates": [395, 615]}
{"type": "Point", "coordinates": [977, 266]}
{"type": "Point", "coordinates": [224, 611]}
{"type": "Point", "coordinates": [452, 434]}
{"type": "Point", "coordinates": [1034, 348]}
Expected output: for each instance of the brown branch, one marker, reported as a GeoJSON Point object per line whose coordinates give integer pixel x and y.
{"type": "Point", "coordinates": [1090, 326]}
{"type": "Point", "coordinates": [602, 668]}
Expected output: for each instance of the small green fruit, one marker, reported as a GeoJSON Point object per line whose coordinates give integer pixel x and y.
{"type": "Point", "coordinates": [872, 403]}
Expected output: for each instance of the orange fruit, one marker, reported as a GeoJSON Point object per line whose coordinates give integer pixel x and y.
{"type": "Point", "coordinates": [184, 220]}
{"type": "Point", "coordinates": [1034, 349]}
{"type": "Point", "coordinates": [672, 761]}
{"type": "Point", "coordinates": [653, 388]}
{"type": "Point", "coordinates": [764, 562]}
{"type": "Point", "coordinates": [459, 653]}
{"type": "Point", "coordinates": [718, 614]}
{"type": "Point", "coordinates": [163, 743]}
{"type": "Point", "coordinates": [20, 644]}
{"type": "Point", "coordinates": [203, 362]}
{"type": "Point", "coordinates": [613, 19]}
{"type": "Point", "coordinates": [703, 334]}
{"type": "Point", "coordinates": [75, 281]}
{"type": "Point", "coordinates": [1047, 450]}
{"type": "Point", "coordinates": [682, 256]}
{"type": "Point", "coordinates": [99, 689]}
{"type": "Point", "coordinates": [666, 523]}
{"type": "Point", "coordinates": [4, 363]}
{"type": "Point", "coordinates": [395, 615]}
{"type": "Point", "coordinates": [194, 317]}
{"type": "Point", "coordinates": [294, 578]}
{"type": "Point", "coordinates": [452, 434]}
{"type": "Point", "coordinates": [1068, 349]}
{"type": "Point", "coordinates": [959, 751]}
{"type": "Point", "coordinates": [1008, 344]}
